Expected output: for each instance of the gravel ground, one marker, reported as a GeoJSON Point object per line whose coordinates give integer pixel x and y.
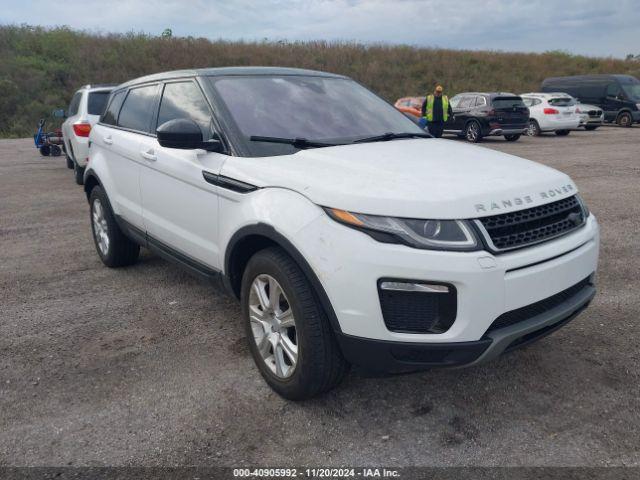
{"type": "Point", "coordinates": [148, 366]}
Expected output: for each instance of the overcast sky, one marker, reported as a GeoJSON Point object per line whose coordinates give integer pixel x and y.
{"type": "Point", "coordinates": [591, 27]}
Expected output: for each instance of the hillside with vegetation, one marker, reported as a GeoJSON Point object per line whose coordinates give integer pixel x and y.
{"type": "Point", "coordinates": [41, 68]}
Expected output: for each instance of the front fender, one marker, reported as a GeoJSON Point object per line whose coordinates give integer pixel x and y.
{"type": "Point", "coordinates": [279, 215]}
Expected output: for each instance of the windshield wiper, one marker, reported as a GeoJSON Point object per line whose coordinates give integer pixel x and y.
{"type": "Point", "coordinates": [392, 136]}
{"type": "Point", "coordinates": [296, 142]}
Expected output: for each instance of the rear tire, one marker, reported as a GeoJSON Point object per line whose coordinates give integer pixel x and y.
{"type": "Point", "coordinates": [590, 128]}
{"type": "Point", "coordinates": [78, 174]}
{"type": "Point", "coordinates": [114, 248]}
{"type": "Point", "coordinates": [624, 119]}
{"type": "Point", "coordinates": [563, 133]}
{"type": "Point", "coordinates": [45, 150]}
{"type": "Point", "coordinates": [473, 132]}
{"type": "Point", "coordinates": [512, 138]}
{"type": "Point", "coordinates": [533, 129]}
{"type": "Point", "coordinates": [319, 365]}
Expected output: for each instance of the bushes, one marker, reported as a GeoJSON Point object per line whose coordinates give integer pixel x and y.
{"type": "Point", "coordinates": [41, 68]}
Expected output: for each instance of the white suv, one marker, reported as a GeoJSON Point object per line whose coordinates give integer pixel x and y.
{"type": "Point", "coordinates": [86, 106]}
{"type": "Point", "coordinates": [347, 233]}
{"type": "Point", "coordinates": [551, 112]}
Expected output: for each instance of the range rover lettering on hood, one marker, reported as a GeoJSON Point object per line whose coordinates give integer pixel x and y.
{"type": "Point", "coordinates": [499, 205]}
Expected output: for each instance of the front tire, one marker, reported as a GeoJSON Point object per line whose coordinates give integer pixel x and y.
{"type": "Point", "coordinates": [512, 138]}
{"type": "Point", "coordinates": [563, 133]}
{"type": "Point", "coordinates": [289, 334]}
{"type": "Point", "coordinates": [114, 248]}
{"type": "Point", "coordinates": [624, 119]}
{"type": "Point", "coordinates": [473, 132]}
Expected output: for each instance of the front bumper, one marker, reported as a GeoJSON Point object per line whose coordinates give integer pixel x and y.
{"type": "Point", "coordinates": [398, 357]}
{"type": "Point", "coordinates": [586, 120]}
{"type": "Point", "coordinates": [349, 265]}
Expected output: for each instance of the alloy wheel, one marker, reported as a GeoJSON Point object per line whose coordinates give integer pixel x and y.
{"type": "Point", "coordinates": [472, 132]}
{"type": "Point", "coordinates": [625, 120]}
{"type": "Point", "coordinates": [273, 326]}
{"type": "Point", "coordinates": [532, 129]}
{"type": "Point", "coordinates": [100, 227]}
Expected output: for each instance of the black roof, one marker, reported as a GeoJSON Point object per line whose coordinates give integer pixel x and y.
{"type": "Point", "coordinates": [490, 94]}
{"type": "Point", "coordinates": [230, 71]}
{"type": "Point", "coordinates": [595, 76]}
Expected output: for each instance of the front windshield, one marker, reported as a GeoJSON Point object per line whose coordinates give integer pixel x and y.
{"type": "Point", "coordinates": [324, 109]}
{"type": "Point", "coordinates": [632, 91]}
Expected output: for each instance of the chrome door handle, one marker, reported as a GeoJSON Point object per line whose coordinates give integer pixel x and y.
{"type": "Point", "coordinates": [149, 155]}
{"type": "Point", "coordinates": [108, 140]}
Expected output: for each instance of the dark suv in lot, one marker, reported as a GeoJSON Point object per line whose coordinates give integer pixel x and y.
{"type": "Point", "coordinates": [617, 95]}
{"type": "Point", "coordinates": [477, 115]}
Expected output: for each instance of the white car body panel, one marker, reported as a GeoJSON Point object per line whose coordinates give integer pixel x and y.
{"type": "Point", "coordinates": [179, 208]}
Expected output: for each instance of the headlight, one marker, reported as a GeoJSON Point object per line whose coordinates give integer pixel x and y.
{"type": "Point", "coordinates": [428, 234]}
{"type": "Point", "coordinates": [585, 209]}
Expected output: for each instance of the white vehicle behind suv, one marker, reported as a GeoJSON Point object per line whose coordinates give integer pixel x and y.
{"type": "Point", "coordinates": [347, 233]}
{"type": "Point", "coordinates": [551, 112]}
{"type": "Point", "coordinates": [86, 106]}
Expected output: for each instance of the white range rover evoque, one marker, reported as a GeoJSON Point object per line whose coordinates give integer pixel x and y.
{"type": "Point", "coordinates": [347, 233]}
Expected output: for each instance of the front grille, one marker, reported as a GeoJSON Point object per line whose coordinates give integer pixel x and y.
{"type": "Point", "coordinates": [595, 113]}
{"type": "Point", "coordinates": [533, 225]}
{"type": "Point", "coordinates": [418, 312]}
{"type": "Point", "coordinates": [529, 311]}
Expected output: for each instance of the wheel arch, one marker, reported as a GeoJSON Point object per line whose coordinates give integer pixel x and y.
{"type": "Point", "coordinates": [91, 181]}
{"type": "Point", "coordinates": [622, 111]}
{"type": "Point", "coordinates": [249, 240]}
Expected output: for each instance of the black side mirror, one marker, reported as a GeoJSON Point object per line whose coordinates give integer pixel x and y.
{"type": "Point", "coordinates": [180, 133]}
{"type": "Point", "coordinates": [185, 134]}
{"type": "Point", "coordinates": [59, 113]}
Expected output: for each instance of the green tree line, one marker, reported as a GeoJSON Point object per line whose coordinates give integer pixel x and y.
{"type": "Point", "coordinates": [40, 68]}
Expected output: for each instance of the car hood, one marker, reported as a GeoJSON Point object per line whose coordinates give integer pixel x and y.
{"type": "Point", "coordinates": [587, 106]}
{"type": "Point", "coordinates": [415, 178]}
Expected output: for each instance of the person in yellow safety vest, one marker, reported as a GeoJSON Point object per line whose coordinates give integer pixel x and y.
{"type": "Point", "coordinates": [436, 110]}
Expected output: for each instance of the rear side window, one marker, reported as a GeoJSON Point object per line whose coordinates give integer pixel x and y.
{"type": "Point", "coordinates": [137, 107]}
{"type": "Point", "coordinates": [508, 102]}
{"type": "Point", "coordinates": [185, 100]}
{"type": "Point", "coordinates": [97, 102]}
{"type": "Point", "coordinates": [480, 101]}
{"type": "Point", "coordinates": [110, 116]}
{"type": "Point", "coordinates": [75, 104]}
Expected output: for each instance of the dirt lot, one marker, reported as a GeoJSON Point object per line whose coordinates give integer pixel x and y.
{"type": "Point", "coordinates": [148, 366]}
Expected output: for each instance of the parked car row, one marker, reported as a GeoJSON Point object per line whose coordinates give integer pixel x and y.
{"type": "Point", "coordinates": [564, 104]}
{"type": "Point", "coordinates": [348, 235]}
